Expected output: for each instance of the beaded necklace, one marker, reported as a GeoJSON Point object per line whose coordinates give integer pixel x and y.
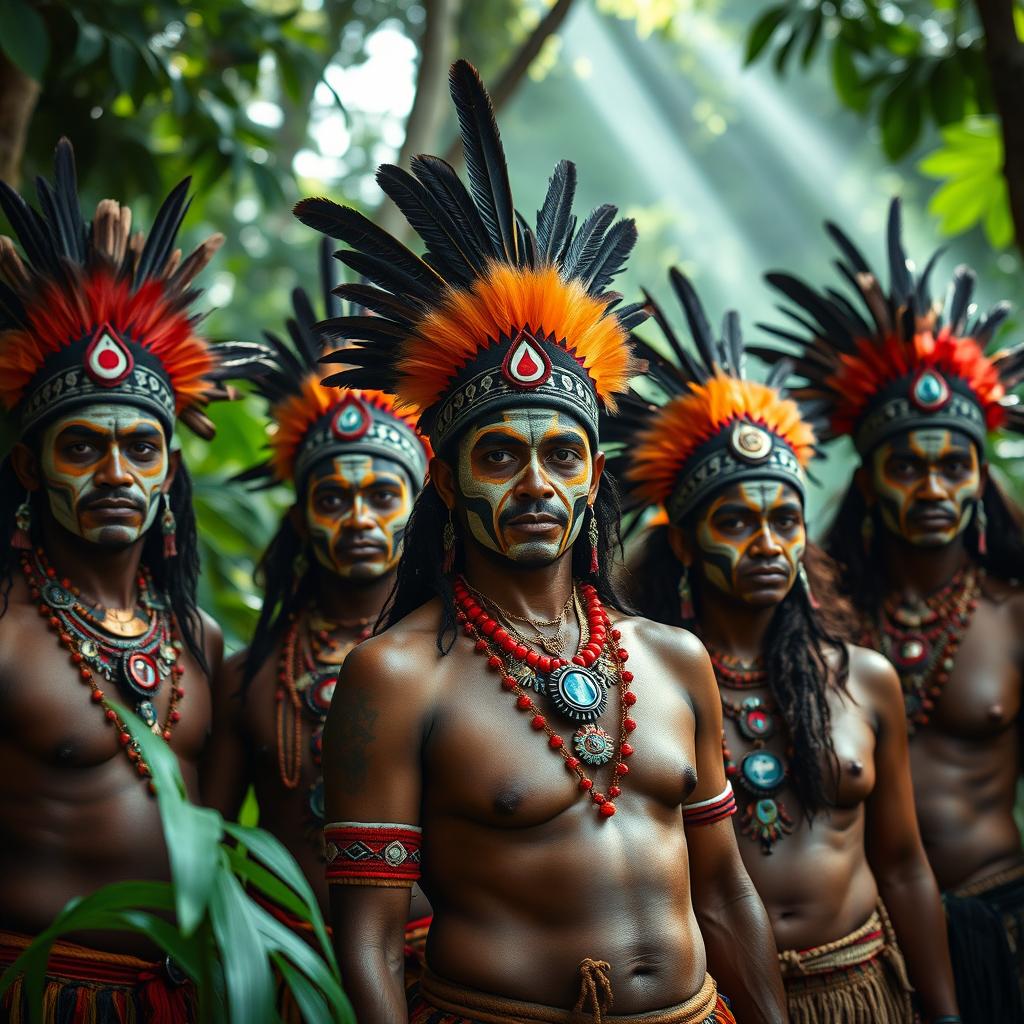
{"type": "Point", "coordinates": [307, 673]}
{"type": "Point", "coordinates": [760, 772]}
{"type": "Point", "coordinates": [921, 640]}
{"type": "Point", "coordinates": [570, 685]}
{"type": "Point", "coordinates": [137, 665]}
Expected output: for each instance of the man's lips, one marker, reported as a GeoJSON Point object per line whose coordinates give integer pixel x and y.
{"type": "Point", "coordinates": [118, 506]}
{"type": "Point", "coordinates": [360, 548]}
{"type": "Point", "coordinates": [932, 518]}
{"type": "Point", "coordinates": [767, 574]}
{"type": "Point", "coordinates": [535, 522]}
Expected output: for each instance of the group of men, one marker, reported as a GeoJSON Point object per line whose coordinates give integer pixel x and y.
{"type": "Point", "coordinates": [682, 787]}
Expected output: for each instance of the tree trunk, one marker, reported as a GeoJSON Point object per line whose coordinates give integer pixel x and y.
{"type": "Point", "coordinates": [428, 104]}
{"type": "Point", "coordinates": [506, 83]}
{"type": "Point", "coordinates": [18, 96]}
{"type": "Point", "coordinates": [1004, 56]}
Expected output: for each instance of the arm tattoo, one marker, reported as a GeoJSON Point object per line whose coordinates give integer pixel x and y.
{"type": "Point", "coordinates": [355, 734]}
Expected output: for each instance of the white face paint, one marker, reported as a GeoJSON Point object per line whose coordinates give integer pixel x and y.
{"type": "Point", "coordinates": [357, 507]}
{"type": "Point", "coordinates": [525, 476]}
{"type": "Point", "coordinates": [103, 468]}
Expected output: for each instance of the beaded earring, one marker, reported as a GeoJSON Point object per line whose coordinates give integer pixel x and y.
{"type": "Point", "coordinates": [867, 531]}
{"type": "Point", "coordinates": [594, 539]}
{"type": "Point", "coordinates": [686, 610]}
{"type": "Point", "coordinates": [169, 525]}
{"type": "Point", "coordinates": [448, 543]}
{"type": "Point", "coordinates": [21, 539]}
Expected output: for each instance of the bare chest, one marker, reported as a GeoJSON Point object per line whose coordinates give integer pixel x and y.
{"type": "Point", "coordinates": [50, 713]}
{"type": "Point", "coordinates": [485, 760]}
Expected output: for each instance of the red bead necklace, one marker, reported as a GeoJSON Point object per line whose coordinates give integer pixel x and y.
{"type": "Point", "coordinates": [39, 584]}
{"type": "Point", "coordinates": [737, 674]}
{"type": "Point", "coordinates": [503, 651]}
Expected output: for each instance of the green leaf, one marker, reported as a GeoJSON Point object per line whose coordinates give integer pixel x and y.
{"type": "Point", "coordinates": [268, 884]}
{"type": "Point", "coordinates": [947, 89]}
{"type": "Point", "coordinates": [24, 38]}
{"type": "Point", "coordinates": [813, 37]}
{"type": "Point", "coordinates": [900, 117]}
{"type": "Point", "coordinates": [783, 52]}
{"type": "Point", "coordinates": [269, 852]}
{"type": "Point", "coordinates": [998, 222]}
{"type": "Point", "coordinates": [89, 44]}
{"type": "Point", "coordinates": [247, 975]}
{"type": "Point", "coordinates": [311, 1003]}
{"type": "Point", "coordinates": [192, 833]}
{"type": "Point", "coordinates": [763, 30]}
{"type": "Point", "coordinates": [846, 78]}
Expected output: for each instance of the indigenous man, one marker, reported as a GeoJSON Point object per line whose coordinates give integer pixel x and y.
{"type": "Point", "coordinates": [495, 735]}
{"type": "Point", "coordinates": [356, 466]}
{"type": "Point", "coordinates": [932, 557]}
{"type": "Point", "coordinates": [98, 356]}
{"type": "Point", "coordinates": [814, 730]}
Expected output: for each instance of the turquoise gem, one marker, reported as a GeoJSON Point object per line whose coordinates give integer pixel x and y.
{"type": "Point", "coordinates": [762, 771]}
{"type": "Point", "coordinates": [767, 812]}
{"type": "Point", "coordinates": [929, 389]}
{"type": "Point", "coordinates": [349, 419]}
{"type": "Point", "coordinates": [581, 688]}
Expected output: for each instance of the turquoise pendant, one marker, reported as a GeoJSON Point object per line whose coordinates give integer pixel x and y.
{"type": "Point", "coordinates": [593, 745]}
{"type": "Point", "coordinates": [577, 693]}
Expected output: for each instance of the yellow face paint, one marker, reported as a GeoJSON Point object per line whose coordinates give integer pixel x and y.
{"type": "Point", "coordinates": [525, 477]}
{"type": "Point", "coordinates": [356, 510]}
{"type": "Point", "coordinates": [751, 540]}
{"type": "Point", "coordinates": [927, 483]}
{"type": "Point", "coordinates": [103, 468]}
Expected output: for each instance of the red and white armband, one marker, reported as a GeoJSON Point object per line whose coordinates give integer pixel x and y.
{"type": "Point", "coordinates": [372, 853]}
{"type": "Point", "coordinates": [707, 812]}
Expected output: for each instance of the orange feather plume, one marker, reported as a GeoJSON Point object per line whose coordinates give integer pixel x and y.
{"type": "Point", "coordinates": [685, 422]}
{"type": "Point", "coordinates": [294, 415]}
{"type": "Point", "coordinates": [863, 374]}
{"type": "Point", "coordinates": [59, 316]}
{"type": "Point", "coordinates": [502, 302]}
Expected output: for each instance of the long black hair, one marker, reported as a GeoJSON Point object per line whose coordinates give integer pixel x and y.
{"type": "Point", "coordinates": [862, 564]}
{"type": "Point", "coordinates": [805, 652]}
{"type": "Point", "coordinates": [177, 578]}
{"type": "Point", "coordinates": [420, 576]}
{"type": "Point", "coordinates": [285, 592]}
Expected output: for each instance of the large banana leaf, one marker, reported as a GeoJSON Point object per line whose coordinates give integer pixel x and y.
{"type": "Point", "coordinates": [227, 944]}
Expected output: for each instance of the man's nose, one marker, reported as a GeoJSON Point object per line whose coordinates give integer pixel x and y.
{"type": "Point", "coordinates": [359, 518]}
{"type": "Point", "coordinates": [113, 469]}
{"type": "Point", "coordinates": [766, 544]}
{"type": "Point", "coordinates": [534, 484]}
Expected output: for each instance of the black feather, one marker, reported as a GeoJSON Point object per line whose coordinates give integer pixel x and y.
{"type": "Point", "coordinates": [440, 177]}
{"type": "Point", "coordinates": [485, 159]}
{"type": "Point", "coordinates": [901, 283]}
{"type": "Point", "coordinates": [30, 230]}
{"type": "Point", "coordinates": [849, 250]}
{"type": "Point", "coordinates": [586, 243]}
{"type": "Point", "coordinates": [160, 241]}
{"type": "Point", "coordinates": [554, 219]}
{"type": "Point", "coordinates": [618, 243]}
{"type": "Point", "coordinates": [961, 290]}
{"type": "Point", "coordinates": [328, 278]}
{"type": "Point", "coordinates": [700, 329]}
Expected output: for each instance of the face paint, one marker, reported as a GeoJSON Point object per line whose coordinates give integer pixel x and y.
{"type": "Point", "coordinates": [751, 539]}
{"type": "Point", "coordinates": [103, 469]}
{"type": "Point", "coordinates": [525, 476]}
{"type": "Point", "coordinates": [927, 483]}
{"type": "Point", "coordinates": [356, 510]}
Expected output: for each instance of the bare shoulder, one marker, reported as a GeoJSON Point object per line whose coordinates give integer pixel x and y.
{"type": "Point", "coordinates": [673, 644]}
{"type": "Point", "coordinates": [213, 641]}
{"type": "Point", "coordinates": [400, 658]}
{"type": "Point", "coordinates": [873, 678]}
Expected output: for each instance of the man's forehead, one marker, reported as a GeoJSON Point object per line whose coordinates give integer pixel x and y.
{"type": "Point", "coordinates": [930, 441]}
{"type": "Point", "coordinates": [107, 418]}
{"type": "Point", "coordinates": [531, 421]}
{"type": "Point", "coordinates": [358, 468]}
{"type": "Point", "coordinates": [758, 494]}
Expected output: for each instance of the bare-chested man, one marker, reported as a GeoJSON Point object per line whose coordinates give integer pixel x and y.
{"type": "Point", "coordinates": [814, 734]}
{"type": "Point", "coordinates": [98, 357]}
{"type": "Point", "coordinates": [931, 557]}
{"type": "Point", "coordinates": [495, 738]}
{"type": "Point", "coordinates": [356, 466]}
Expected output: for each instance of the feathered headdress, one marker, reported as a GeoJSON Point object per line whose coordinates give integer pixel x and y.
{"type": "Point", "coordinates": [91, 313]}
{"type": "Point", "coordinates": [494, 313]}
{"type": "Point", "coordinates": [897, 362]}
{"type": "Point", "coordinates": [312, 421]}
{"type": "Point", "coordinates": [712, 426]}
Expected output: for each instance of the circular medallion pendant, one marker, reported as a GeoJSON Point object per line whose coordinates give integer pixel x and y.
{"type": "Point", "coordinates": [593, 745]}
{"type": "Point", "coordinates": [762, 772]}
{"type": "Point", "coordinates": [577, 693]}
{"type": "Point", "coordinates": [912, 652]}
{"type": "Point", "coordinates": [319, 693]}
{"type": "Point", "coordinates": [755, 723]}
{"type": "Point", "coordinates": [766, 811]}
{"type": "Point", "coordinates": [141, 673]}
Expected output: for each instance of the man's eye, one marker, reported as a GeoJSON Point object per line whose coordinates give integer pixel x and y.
{"type": "Point", "coordinates": [731, 524]}
{"type": "Point", "coordinates": [79, 448]}
{"type": "Point", "coordinates": [786, 522]}
{"type": "Point", "coordinates": [384, 499]}
{"type": "Point", "coordinates": [565, 455]}
{"type": "Point", "coordinates": [328, 501]}
{"type": "Point", "coordinates": [142, 448]}
{"type": "Point", "coordinates": [498, 457]}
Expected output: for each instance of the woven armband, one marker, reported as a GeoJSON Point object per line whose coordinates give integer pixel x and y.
{"type": "Point", "coordinates": [372, 853]}
{"type": "Point", "coordinates": [707, 812]}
